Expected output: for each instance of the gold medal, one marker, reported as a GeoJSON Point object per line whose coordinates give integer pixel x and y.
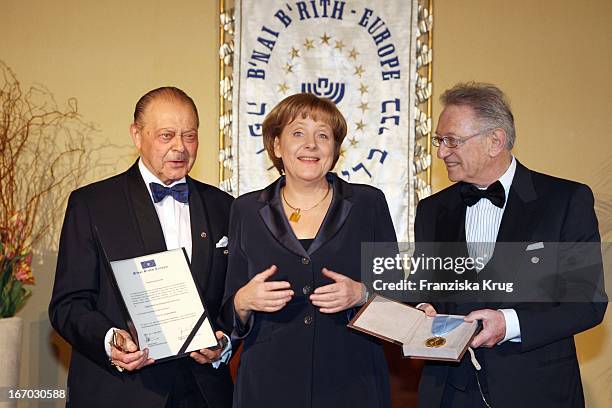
{"type": "Point", "coordinates": [435, 342]}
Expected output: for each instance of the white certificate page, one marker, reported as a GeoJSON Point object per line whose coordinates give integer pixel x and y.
{"type": "Point", "coordinates": [163, 303]}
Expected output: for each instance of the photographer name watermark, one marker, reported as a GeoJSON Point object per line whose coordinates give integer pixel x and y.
{"type": "Point", "coordinates": [424, 285]}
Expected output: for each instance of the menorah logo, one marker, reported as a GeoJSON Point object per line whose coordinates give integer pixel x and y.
{"type": "Point", "coordinates": [324, 88]}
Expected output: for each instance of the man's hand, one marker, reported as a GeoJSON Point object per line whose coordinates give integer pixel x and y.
{"type": "Point", "coordinates": [429, 310]}
{"type": "Point", "coordinates": [493, 327]}
{"type": "Point", "coordinates": [262, 296]}
{"type": "Point", "coordinates": [205, 356]}
{"type": "Point", "coordinates": [129, 357]}
{"type": "Point", "coordinates": [338, 296]}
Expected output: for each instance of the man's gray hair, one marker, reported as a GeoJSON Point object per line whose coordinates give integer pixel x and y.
{"type": "Point", "coordinates": [488, 102]}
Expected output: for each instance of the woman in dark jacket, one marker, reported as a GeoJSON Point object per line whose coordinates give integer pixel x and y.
{"type": "Point", "coordinates": [294, 272]}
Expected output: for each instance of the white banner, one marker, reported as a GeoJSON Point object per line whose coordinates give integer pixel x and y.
{"type": "Point", "coordinates": [361, 55]}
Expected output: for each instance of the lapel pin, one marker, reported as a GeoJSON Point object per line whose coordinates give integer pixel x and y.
{"type": "Point", "coordinates": [535, 260]}
{"type": "Point", "coordinates": [203, 235]}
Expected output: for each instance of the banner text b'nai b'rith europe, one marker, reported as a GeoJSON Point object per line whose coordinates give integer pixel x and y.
{"type": "Point", "coordinates": [361, 55]}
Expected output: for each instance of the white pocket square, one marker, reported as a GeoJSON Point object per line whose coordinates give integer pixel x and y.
{"type": "Point", "coordinates": [535, 245]}
{"type": "Point", "coordinates": [222, 243]}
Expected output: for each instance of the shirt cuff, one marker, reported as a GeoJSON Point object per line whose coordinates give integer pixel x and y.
{"type": "Point", "coordinates": [225, 354]}
{"type": "Point", "coordinates": [107, 339]}
{"type": "Point", "coordinates": [513, 328]}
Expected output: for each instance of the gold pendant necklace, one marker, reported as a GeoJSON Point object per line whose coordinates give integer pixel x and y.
{"type": "Point", "coordinates": [295, 215]}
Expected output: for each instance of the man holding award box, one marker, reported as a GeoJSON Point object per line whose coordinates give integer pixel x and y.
{"type": "Point", "coordinates": [535, 231]}
{"type": "Point", "coordinates": [129, 221]}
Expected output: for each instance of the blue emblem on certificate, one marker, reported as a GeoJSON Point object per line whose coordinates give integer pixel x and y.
{"type": "Point", "coordinates": [148, 264]}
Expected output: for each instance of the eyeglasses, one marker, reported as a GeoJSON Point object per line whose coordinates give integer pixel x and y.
{"type": "Point", "coordinates": [453, 142]}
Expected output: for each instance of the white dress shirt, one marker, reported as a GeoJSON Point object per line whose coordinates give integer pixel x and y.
{"type": "Point", "coordinates": [482, 221]}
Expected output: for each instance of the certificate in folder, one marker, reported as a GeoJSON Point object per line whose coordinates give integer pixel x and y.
{"type": "Point", "coordinates": [445, 337]}
{"type": "Point", "coordinates": [163, 308]}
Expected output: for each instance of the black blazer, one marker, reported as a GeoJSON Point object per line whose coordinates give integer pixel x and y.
{"type": "Point", "coordinates": [84, 306]}
{"type": "Point", "coordinates": [298, 357]}
{"type": "Point", "coordinates": [542, 370]}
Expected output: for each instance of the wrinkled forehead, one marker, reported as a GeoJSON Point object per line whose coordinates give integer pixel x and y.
{"type": "Point", "coordinates": [458, 117]}
{"type": "Point", "coordinates": [168, 107]}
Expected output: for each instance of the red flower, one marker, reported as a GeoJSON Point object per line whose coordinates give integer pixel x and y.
{"type": "Point", "coordinates": [24, 272]}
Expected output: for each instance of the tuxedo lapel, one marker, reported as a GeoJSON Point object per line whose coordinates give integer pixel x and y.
{"type": "Point", "coordinates": [201, 236]}
{"type": "Point", "coordinates": [450, 231]}
{"type": "Point", "coordinates": [143, 212]}
{"type": "Point", "coordinates": [336, 215]}
{"type": "Point", "coordinates": [450, 226]}
{"type": "Point", "coordinates": [450, 238]}
{"type": "Point", "coordinates": [519, 219]}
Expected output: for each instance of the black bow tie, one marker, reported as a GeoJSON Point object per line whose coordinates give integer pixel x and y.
{"type": "Point", "coordinates": [494, 193]}
{"type": "Point", "coordinates": [180, 192]}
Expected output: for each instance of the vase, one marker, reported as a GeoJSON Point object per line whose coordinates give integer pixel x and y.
{"type": "Point", "coordinates": [10, 355]}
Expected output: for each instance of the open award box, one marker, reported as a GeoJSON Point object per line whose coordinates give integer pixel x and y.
{"type": "Point", "coordinates": [444, 337]}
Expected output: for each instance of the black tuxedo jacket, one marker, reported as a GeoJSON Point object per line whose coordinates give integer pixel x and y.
{"type": "Point", "coordinates": [542, 370]}
{"type": "Point", "coordinates": [84, 305]}
{"type": "Point", "coordinates": [299, 357]}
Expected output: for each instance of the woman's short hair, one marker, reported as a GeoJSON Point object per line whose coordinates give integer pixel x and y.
{"type": "Point", "coordinates": [305, 105]}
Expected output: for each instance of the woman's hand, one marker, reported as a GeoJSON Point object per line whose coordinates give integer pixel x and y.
{"type": "Point", "coordinates": [343, 294]}
{"type": "Point", "coordinates": [261, 296]}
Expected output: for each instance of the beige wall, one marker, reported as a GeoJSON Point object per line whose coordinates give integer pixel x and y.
{"type": "Point", "coordinates": [108, 53]}
{"type": "Point", "coordinates": [552, 57]}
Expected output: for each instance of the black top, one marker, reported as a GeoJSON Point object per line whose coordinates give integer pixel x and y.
{"type": "Point", "coordinates": [306, 243]}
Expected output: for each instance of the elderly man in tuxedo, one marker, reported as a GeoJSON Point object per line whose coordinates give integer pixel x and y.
{"type": "Point", "coordinates": [525, 354]}
{"type": "Point", "coordinates": [154, 206]}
